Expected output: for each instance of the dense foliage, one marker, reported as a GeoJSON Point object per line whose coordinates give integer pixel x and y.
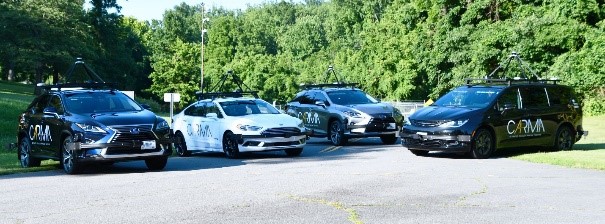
{"type": "Point", "coordinates": [395, 49]}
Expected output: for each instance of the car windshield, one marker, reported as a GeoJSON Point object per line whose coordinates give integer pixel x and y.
{"type": "Point", "coordinates": [99, 102]}
{"type": "Point", "coordinates": [247, 107]}
{"type": "Point", "coordinates": [350, 97]}
{"type": "Point", "coordinates": [467, 97]}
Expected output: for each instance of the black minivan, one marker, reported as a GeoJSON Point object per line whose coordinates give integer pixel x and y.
{"type": "Point", "coordinates": [489, 114]}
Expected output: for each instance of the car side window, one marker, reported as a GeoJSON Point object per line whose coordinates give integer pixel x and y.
{"type": "Point", "coordinates": [533, 97]}
{"type": "Point", "coordinates": [197, 109]}
{"type": "Point", "coordinates": [319, 96]}
{"type": "Point", "coordinates": [558, 96]}
{"type": "Point", "coordinates": [40, 104]}
{"type": "Point", "coordinates": [55, 101]}
{"type": "Point", "coordinates": [508, 100]}
{"type": "Point", "coordinates": [212, 108]}
{"type": "Point", "coordinates": [306, 98]}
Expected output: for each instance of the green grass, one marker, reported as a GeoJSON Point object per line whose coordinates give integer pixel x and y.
{"type": "Point", "coordinates": [588, 153]}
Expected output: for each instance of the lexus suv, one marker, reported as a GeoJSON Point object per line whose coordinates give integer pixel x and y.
{"type": "Point", "coordinates": [342, 111]}
{"type": "Point", "coordinates": [90, 123]}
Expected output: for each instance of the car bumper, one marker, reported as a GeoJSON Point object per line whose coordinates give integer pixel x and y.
{"type": "Point", "coordinates": [435, 141]}
{"type": "Point", "coordinates": [257, 143]}
{"type": "Point", "coordinates": [89, 152]}
{"type": "Point", "coordinates": [372, 130]}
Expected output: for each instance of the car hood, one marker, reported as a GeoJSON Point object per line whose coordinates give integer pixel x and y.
{"type": "Point", "coordinates": [121, 118]}
{"type": "Point", "coordinates": [443, 113]}
{"type": "Point", "coordinates": [377, 108]}
{"type": "Point", "coordinates": [268, 120]}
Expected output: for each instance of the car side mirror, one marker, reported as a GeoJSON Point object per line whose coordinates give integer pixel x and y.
{"type": "Point", "coordinates": [320, 103]}
{"type": "Point", "coordinates": [508, 106]}
{"type": "Point", "coordinates": [212, 115]}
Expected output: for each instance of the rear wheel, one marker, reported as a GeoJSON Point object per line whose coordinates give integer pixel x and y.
{"type": "Point", "coordinates": [230, 145]}
{"type": "Point", "coordinates": [157, 163]}
{"type": "Point", "coordinates": [68, 158]}
{"type": "Point", "coordinates": [564, 139]}
{"type": "Point", "coordinates": [294, 152]}
{"type": "Point", "coordinates": [25, 154]}
{"type": "Point", "coordinates": [388, 139]}
{"type": "Point", "coordinates": [337, 133]}
{"type": "Point", "coordinates": [181, 145]}
{"type": "Point", "coordinates": [419, 152]}
{"type": "Point", "coordinates": [482, 144]}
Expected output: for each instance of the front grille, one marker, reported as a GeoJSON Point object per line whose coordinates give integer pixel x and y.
{"type": "Point", "coordinates": [425, 123]}
{"type": "Point", "coordinates": [282, 131]}
{"type": "Point", "coordinates": [380, 123]}
{"type": "Point", "coordinates": [127, 133]}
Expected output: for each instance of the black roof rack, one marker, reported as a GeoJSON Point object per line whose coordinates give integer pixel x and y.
{"type": "Point", "coordinates": [219, 87]}
{"type": "Point", "coordinates": [525, 70]}
{"type": "Point", "coordinates": [95, 82]}
{"type": "Point", "coordinates": [337, 84]}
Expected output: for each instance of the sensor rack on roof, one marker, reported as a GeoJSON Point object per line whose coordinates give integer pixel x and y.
{"type": "Point", "coordinates": [214, 95]}
{"type": "Point", "coordinates": [93, 85]}
{"type": "Point", "coordinates": [509, 81]}
{"type": "Point", "coordinates": [331, 85]}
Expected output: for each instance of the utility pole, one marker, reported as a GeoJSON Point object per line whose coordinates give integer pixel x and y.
{"type": "Point", "coordinates": [202, 67]}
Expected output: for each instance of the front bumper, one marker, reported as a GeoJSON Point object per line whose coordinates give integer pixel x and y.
{"type": "Point", "coordinates": [372, 130]}
{"type": "Point", "coordinates": [257, 143]}
{"type": "Point", "coordinates": [436, 141]}
{"type": "Point", "coordinates": [118, 151]}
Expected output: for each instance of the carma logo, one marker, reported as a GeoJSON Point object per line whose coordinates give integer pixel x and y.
{"type": "Point", "coordinates": [525, 126]}
{"type": "Point", "coordinates": [40, 133]}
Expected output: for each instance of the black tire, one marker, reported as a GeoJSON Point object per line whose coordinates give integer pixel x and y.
{"type": "Point", "coordinates": [180, 145]}
{"type": "Point", "coordinates": [230, 145]}
{"type": "Point", "coordinates": [337, 134]}
{"type": "Point", "coordinates": [69, 164]}
{"type": "Point", "coordinates": [156, 163]}
{"type": "Point", "coordinates": [388, 139]}
{"type": "Point", "coordinates": [482, 145]}
{"type": "Point", "coordinates": [25, 154]}
{"type": "Point", "coordinates": [294, 152]}
{"type": "Point", "coordinates": [564, 139]}
{"type": "Point", "coordinates": [419, 152]}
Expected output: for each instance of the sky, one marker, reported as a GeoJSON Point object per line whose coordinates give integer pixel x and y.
{"type": "Point", "coordinates": [153, 9]}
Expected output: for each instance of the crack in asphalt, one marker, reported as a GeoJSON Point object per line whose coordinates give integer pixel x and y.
{"type": "Point", "coordinates": [353, 215]}
{"type": "Point", "coordinates": [483, 190]}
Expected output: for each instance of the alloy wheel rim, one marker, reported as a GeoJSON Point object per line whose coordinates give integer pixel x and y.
{"type": "Point", "coordinates": [24, 155]}
{"type": "Point", "coordinates": [483, 143]}
{"type": "Point", "coordinates": [67, 157]}
{"type": "Point", "coordinates": [335, 134]}
{"type": "Point", "coordinates": [564, 139]}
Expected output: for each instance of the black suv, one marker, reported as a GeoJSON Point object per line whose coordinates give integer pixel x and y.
{"type": "Point", "coordinates": [341, 111]}
{"type": "Point", "coordinates": [489, 114]}
{"type": "Point", "coordinates": [78, 123]}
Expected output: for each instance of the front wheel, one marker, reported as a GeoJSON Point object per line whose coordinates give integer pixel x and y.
{"type": "Point", "coordinates": [230, 145]}
{"type": "Point", "coordinates": [294, 152]}
{"type": "Point", "coordinates": [482, 145]}
{"type": "Point", "coordinates": [564, 139]}
{"type": "Point", "coordinates": [25, 154]}
{"type": "Point", "coordinates": [157, 163]}
{"type": "Point", "coordinates": [388, 139]}
{"type": "Point", "coordinates": [181, 145]}
{"type": "Point", "coordinates": [68, 158]}
{"type": "Point", "coordinates": [337, 133]}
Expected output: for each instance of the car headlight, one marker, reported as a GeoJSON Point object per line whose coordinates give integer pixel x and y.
{"type": "Point", "coordinates": [453, 124]}
{"type": "Point", "coordinates": [91, 128]}
{"type": "Point", "coordinates": [163, 125]}
{"type": "Point", "coordinates": [352, 113]}
{"type": "Point", "coordinates": [245, 127]}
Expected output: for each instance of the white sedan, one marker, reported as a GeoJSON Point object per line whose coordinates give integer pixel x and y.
{"type": "Point", "coordinates": [234, 125]}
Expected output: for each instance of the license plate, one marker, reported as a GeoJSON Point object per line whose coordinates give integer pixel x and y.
{"type": "Point", "coordinates": [422, 133]}
{"type": "Point", "coordinates": [148, 144]}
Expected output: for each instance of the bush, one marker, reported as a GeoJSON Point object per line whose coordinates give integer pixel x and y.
{"type": "Point", "coordinates": [593, 106]}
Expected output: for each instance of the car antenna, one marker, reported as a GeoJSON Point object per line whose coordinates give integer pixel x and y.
{"type": "Point", "coordinates": [522, 66]}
